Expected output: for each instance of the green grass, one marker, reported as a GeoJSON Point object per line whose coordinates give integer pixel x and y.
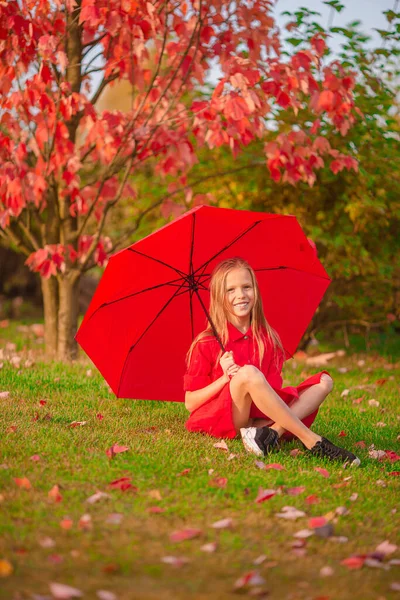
{"type": "Point", "coordinates": [126, 558]}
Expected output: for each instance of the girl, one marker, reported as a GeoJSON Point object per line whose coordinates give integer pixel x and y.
{"type": "Point", "coordinates": [240, 390]}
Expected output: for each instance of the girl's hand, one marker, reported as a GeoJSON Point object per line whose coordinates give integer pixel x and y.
{"type": "Point", "coordinates": [228, 365]}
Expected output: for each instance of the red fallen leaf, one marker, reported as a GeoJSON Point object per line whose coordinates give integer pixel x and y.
{"type": "Point", "coordinates": [358, 400]}
{"type": "Point", "coordinates": [392, 456]}
{"type": "Point", "coordinates": [111, 568]}
{"type": "Point", "coordinates": [155, 509]}
{"type": "Point", "coordinates": [353, 562]}
{"type": "Point", "coordinates": [381, 381]}
{"type": "Point", "coordinates": [342, 434]}
{"type": "Point", "coordinates": [322, 472]}
{"type": "Point", "coordinates": [12, 429]}
{"type": "Point", "coordinates": [337, 486]}
{"type": "Point", "coordinates": [184, 472]}
{"type": "Point", "coordinates": [23, 482]}
{"type": "Point", "coordinates": [361, 444]}
{"type": "Point", "coordinates": [296, 452]}
{"type": "Point", "coordinates": [394, 473]}
{"type": "Point", "coordinates": [21, 551]}
{"type": "Point", "coordinates": [276, 466]}
{"type": "Point", "coordinates": [99, 416]}
{"type": "Point", "coordinates": [123, 484]}
{"type": "Point", "coordinates": [35, 457]}
{"type": "Point", "coordinates": [220, 482]}
{"type": "Point", "coordinates": [116, 449]}
{"type": "Point", "coordinates": [252, 578]}
{"type": "Point", "coordinates": [316, 522]}
{"type": "Point", "coordinates": [295, 491]}
{"type": "Point", "coordinates": [54, 494]}
{"type": "Point", "coordinates": [66, 523]}
{"type": "Point", "coordinates": [77, 424]}
{"type": "Point", "coordinates": [42, 402]}
{"type": "Point", "coordinates": [313, 499]}
{"type": "Point", "coordinates": [85, 522]}
{"type": "Point", "coordinates": [56, 559]}
{"type": "Point", "coordinates": [264, 495]}
{"type": "Point", "coordinates": [184, 534]}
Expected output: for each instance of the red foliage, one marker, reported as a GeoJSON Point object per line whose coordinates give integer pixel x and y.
{"type": "Point", "coordinates": [52, 136]}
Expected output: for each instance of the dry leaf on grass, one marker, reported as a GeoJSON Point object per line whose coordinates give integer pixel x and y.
{"type": "Point", "coordinates": [252, 578]}
{"type": "Point", "coordinates": [221, 446]}
{"type": "Point", "coordinates": [96, 497]}
{"type": "Point", "coordinates": [223, 524]}
{"type": "Point", "coordinates": [23, 482]}
{"type": "Point", "coordinates": [116, 449]}
{"type": "Point", "coordinates": [322, 471]}
{"type": "Point", "coordinates": [106, 595]}
{"type": "Point", "coordinates": [210, 547]}
{"type": "Point", "coordinates": [175, 561]}
{"type": "Point", "coordinates": [6, 568]}
{"type": "Point", "coordinates": [184, 534]}
{"type": "Point", "coordinates": [64, 592]}
{"type": "Point", "coordinates": [291, 513]}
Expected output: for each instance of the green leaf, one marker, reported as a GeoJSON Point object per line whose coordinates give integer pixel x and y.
{"type": "Point", "coordinates": [294, 41]}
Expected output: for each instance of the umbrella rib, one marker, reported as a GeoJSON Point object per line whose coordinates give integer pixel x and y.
{"type": "Point", "coordinates": [161, 262]}
{"type": "Point", "coordinates": [144, 333]}
{"type": "Point", "coordinates": [237, 238]}
{"type": "Point", "coordinates": [174, 282]}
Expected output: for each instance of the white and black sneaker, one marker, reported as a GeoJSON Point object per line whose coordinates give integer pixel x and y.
{"type": "Point", "coordinates": [259, 440]}
{"type": "Point", "coordinates": [328, 450]}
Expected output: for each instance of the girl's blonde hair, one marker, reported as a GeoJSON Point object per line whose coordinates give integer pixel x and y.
{"type": "Point", "coordinates": [261, 329]}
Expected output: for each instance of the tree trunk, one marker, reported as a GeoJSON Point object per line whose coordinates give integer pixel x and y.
{"type": "Point", "coordinates": [67, 348]}
{"type": "Point", "coordinates": [50, 303]}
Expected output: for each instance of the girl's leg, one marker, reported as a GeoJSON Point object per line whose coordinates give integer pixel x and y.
{"type": "Point", "coordinates": [248, 385]}
{"type": "Point", "coordinates": [308, 402]}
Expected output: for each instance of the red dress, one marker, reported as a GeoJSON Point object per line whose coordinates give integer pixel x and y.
{"type": "Point", "coordinates": [214, 417]}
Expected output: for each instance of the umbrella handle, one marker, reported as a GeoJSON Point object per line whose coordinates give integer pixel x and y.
{"type": "Point", "coordinates": [210, 321]}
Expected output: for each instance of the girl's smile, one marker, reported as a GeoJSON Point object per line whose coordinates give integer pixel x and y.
{"type": "Point", "coordinates": [240, 297]}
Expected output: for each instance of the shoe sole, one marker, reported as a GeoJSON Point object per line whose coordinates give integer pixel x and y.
{"type": "Point", "coordinates": [355, 463]}
{"type": "Point", "coordinates": [250, 444]}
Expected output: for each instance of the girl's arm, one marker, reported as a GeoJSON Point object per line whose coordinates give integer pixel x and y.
{"type": "Point", "coordinates": [195, 399]}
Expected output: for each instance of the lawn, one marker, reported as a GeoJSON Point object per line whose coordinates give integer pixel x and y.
{"type": "Point", "coordinates": [58, 424]}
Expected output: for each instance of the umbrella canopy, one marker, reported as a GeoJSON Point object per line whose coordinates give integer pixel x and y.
{"type": "Point", "coordinates": [152, 298]}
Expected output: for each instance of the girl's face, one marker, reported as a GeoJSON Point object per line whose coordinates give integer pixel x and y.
{"type": "Point", "coordinates": [239, 294]}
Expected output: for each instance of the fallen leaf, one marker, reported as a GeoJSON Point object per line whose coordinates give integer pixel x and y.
{"type": "Point", "coordinates": [54, 494]}
{"type": "Point", "coordinates": [264, 495]}
{"type": "Point", "coordinates": [376, 564]}
{"type": "Point", "coordinates": [386, 548]}
{"type": "Point", "coordinates": [373, 402]}
{"type": "Point", "coordinates": [114, 519]}
{"type": "Point", "coordinates": [296, 452]}
{"type": "Point", "coordinates": [155, 509]}
{"type": "Point", "coordinates": [353, 497]}
{"type": "Point", "coordinates": [275, 466]}
{"type": "Point", "coordinates": [313, 499]}
{"type": "Point", "coordinates": [232, 456]}
{"type": "Point", "coordinates": [295, 491]}
{"type": "Point", "coordinates": [85, 522]}
{"type": "Point", "coordinates": [316, 522]}
{"type": "Point", "coordinates": [4, 395]}
{"type": "Point", "coordinates": [175, 561]}
{"type": "Point", "coordinates": [211, 547]}
{"type": "Point", "coordinates": [345, 393]}
{"type": "Point", "coordinates": [361, 444]}
{"type": "Point", "coordinates": [6, 568]}
{"type": "Point", "coordinates": [223, 524]}
{"type": "Point", "coordinates": [392, 456]}
{"type": "Point", "coordinates": [42, 402]}
{"type": "Point", "coordinates": [77, 424]}
{"type": "Point", "coordinates": [56, 559]}
{"type": "Point", "coordinates": [66, 523]}
{"type": "Point", "coordinates": [260, 464]}
{"type": "Point", "coordinates": [322, 471]}
{"type": "Point", "coordinates": [64, 592]}
{"type": "Point", "coordinates": [89, 373]}
{"type": "Point", "coordinates": [12, 429]}
{"type": "Point", "coordinates": [353, 562]}
{"type": "Point", "coordinates": [23, 482]}
{"type": "Point", "coordinates": [116, 449]}
{"type": "Point", "coordinates": [111, 568]}
{"type": "Point", "coordinates": [395, 586]}
{"type": "Point", "coordinates": [35, 457]}
{"type": "Point", "coordinates": [123, 484]}
{"type": "Point", "coordinates": [326, 572]}
{"type": "Point", "coordinates": [394, 473]}
{"type": "Point", "coordinates": [381, 381]}
{"type": "Point", "coordinates": [342, 434]}
{"type": "Point", "coordinates": [260, 559]}
{"type": "Point", "coordinates": [105, 595]}
{"type": "Point", "coordinates": [291, 513]}
{"type": "Point", "coordinates": [99, 416]}
{"type": "Point", "coordinates": [377, 454]}
{"type": "Point", "coordinates": [252, 578]}
{"type": "Point", "coordinates": [182, 473]}
{"type": "Point", "coordinates": [155, 494]}
{"type": "Point", "coordinates": [47, 542]}
{"type": "Point", "coordinates": [220, 482]}
{"type": "Point", "coordinates": [184, 534]}
{"type": "Point", "coordinates": [96, 497]}
{"type": "Point", "coordinates": [221, 446]}
{"type": "Point", "coordinates": [304, 533]}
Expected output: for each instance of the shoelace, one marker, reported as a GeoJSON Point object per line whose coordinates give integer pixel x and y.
{"type": "Point", "coordinates": [332, 451]}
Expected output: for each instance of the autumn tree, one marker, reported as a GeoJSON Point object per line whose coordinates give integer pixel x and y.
{"type": "Point", "coordinates": [65, 166]}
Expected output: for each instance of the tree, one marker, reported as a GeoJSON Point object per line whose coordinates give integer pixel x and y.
{"type": "Point", "coordinates": [66, 166]}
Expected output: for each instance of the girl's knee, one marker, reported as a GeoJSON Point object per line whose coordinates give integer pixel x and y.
{"type": "Point", "coordinates": [326, 382]}
{"type": "Point", "coordinates": [248, 374]}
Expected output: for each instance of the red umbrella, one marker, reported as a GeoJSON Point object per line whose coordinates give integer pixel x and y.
{"type": "Point", "coordinates": [153, 297]}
